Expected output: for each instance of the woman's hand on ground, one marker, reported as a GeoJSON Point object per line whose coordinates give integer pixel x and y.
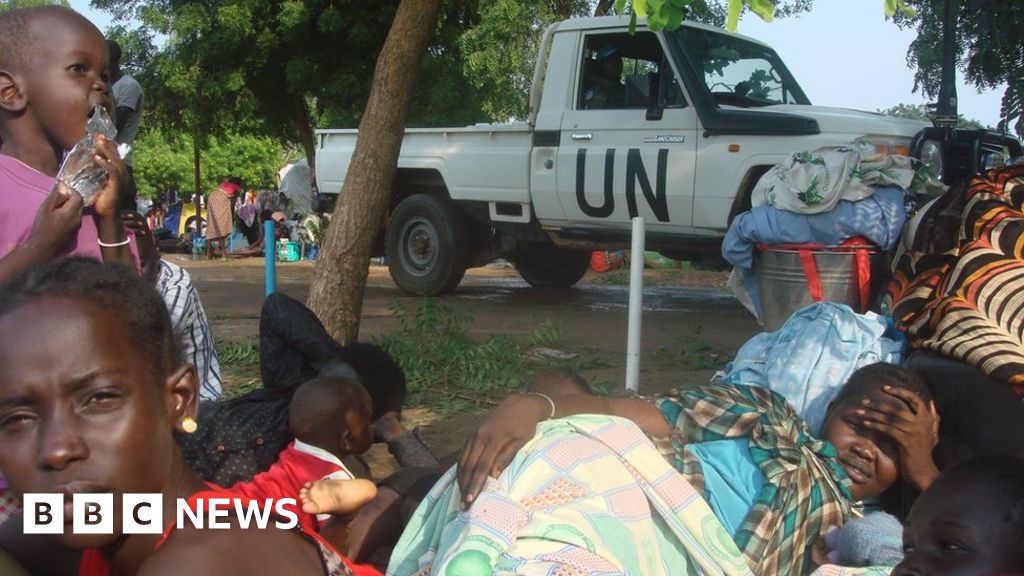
{"type": "Point", "coordinates": [913, 426]}
{"type": "Point", "coordinates": [493, 445]}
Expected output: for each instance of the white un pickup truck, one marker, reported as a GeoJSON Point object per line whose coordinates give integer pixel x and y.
{"type": "Point", "coordinates": [676, 127]}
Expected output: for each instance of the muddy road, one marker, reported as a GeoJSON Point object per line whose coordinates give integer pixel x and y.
{"type": "Point", "coordinates": [691, 323]}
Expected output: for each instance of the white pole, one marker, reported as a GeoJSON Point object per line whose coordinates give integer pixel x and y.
{"type": "Point", "coordinates": [636, 306]}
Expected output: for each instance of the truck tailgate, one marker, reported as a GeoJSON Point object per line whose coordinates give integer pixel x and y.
{"type": "Point", "coordinates": [484, 162]}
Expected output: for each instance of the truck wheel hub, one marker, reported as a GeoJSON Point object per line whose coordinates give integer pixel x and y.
{"type": "Point", "coordinates": [420, 237]}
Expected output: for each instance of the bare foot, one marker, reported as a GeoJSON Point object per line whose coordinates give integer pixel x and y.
{"type": "Point", "coordinates": [388, 427]}
{"type": "Point", "coordinates": [336, 496]}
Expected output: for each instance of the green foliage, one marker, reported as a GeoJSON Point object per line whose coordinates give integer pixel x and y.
{"type": "Point", "coordinates": [920, 112]}
{"type": "Point", "coordinates": [446, 368]}
{"type": "Point", "coordinates": [990, 48]}
{"type": "Point", "coordinates": [163, 159]}
{"type": "Point", "coordinates": [1011, 111]}
{"type": "Point", "coordinates": [6, 5]}
{"type": "Point", "coordinates": [240, 367]}
{"type": "Point", "coordinates": [501, 51]}
{"type": "Point", "coordinates": [691, 351]}
{"type": "Point", "coordinates": [669, 14]}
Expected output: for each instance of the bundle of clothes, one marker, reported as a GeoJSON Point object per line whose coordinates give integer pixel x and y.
{"type": "Point", "coordinates": [821, 199]}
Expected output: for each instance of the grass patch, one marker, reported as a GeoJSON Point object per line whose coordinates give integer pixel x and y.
{"type": "Point", "coordinates": [239, 367]}
{"type": "Point", "coordinates": [450, 371]}
{"type": "Point", "coordinates": [617, 277]}
{"type": "Point", "coordinates": [691, 351]}
{"type": "Point", "coordinates": [447, 370]}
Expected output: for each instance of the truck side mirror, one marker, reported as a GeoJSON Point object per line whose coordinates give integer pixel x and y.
{"type": "Point", "coordinates": [654, 107]}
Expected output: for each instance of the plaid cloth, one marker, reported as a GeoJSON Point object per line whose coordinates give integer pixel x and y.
{"type": "Point", "coordinates": [957, 290]}
{"type": "Point", "coordinates": [9, 505]}
{"type": "Point", "coordinates": [805, 491]}
{"type": "Point", "coordinates": [588, 496]}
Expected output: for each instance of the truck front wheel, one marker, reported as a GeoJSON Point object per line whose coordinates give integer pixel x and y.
{"type": "Point", "coordinates": [549, 266]}
{"type": "Point", "coordinates": [427, 245]}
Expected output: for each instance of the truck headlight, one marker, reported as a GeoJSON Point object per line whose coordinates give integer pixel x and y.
{"type": "Point", "coordinates": [931, 156]}
{"type": "Point", "coordinates": [993, 160]}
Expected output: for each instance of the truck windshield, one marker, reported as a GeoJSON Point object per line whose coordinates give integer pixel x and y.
{"type": "Point", "coordinates": [738, 72]}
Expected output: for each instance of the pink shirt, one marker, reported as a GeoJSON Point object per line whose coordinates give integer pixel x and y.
{"type": "Point", "coordinates": [22, 191]}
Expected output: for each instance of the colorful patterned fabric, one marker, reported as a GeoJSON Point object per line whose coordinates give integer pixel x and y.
{"type": "Point", "coordinates": [814, 182]}
{"type": "Point", "coordinates": [806, 490]}
{"type": "Point", "coordinates": [220, 215]}
{"type": "Point", "coordinates": [589, 495]}
{"type": "Point", "coordinates": [833, 570]}
{"type": "Point", "coordinates": [957, 290]}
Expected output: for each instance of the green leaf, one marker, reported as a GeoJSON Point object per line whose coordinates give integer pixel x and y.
{"type": "Point", "coordinates": [891, 6]}
{"type": "Point", "coordinates": [675, 16]}
{"type": "Point", "coordinates": [733, 20]}
{"type": "Point", "coordinates": [657, 21]}
{"type": "Point", "coordinates": [763, 8]}
{"type": "Point", "coordinates": [620, 6]}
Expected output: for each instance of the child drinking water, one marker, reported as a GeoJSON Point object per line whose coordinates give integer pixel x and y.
{"type": "Point", "coordinates": [53, 74]}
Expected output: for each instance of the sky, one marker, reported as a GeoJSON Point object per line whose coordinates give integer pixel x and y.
{"type": "Point", "coordinates": [843, 53]}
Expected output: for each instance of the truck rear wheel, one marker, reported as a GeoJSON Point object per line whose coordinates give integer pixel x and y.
{"type": "Point", "coordinates": [426, 245]}
{"type": "Point", "coordinates": [549, 266]}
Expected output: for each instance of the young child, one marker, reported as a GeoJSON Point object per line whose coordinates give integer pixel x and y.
{"type": "Point", "coordinates": [884, 425]}
{"type": "Point", "coordinates": [53, 73]}
{"type": "Point", "coordinates": [970, 522]}
{"type": "Point", "coordinates": [330, 419]}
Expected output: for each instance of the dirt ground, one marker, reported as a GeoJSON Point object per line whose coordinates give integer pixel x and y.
{"type": "Point", "coordinates": [691, 324]}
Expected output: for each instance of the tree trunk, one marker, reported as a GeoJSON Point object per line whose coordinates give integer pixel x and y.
{"type": "Point", "coordinates": [603, 8]}
{"type": "Point", "coordinates": [300, 116]}
{"type": "Point", "coordinates": [336, 295]}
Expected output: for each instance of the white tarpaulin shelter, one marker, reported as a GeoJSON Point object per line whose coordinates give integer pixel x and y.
{"type": "Point", "coordinates": [297, 185]}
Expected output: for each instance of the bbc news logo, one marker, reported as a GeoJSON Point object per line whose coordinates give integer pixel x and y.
{"type": "Point", "coordinates": [143, 513]}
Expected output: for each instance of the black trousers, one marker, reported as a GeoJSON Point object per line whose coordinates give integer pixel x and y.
{"type": "Point", "coordinates": [295, 346]}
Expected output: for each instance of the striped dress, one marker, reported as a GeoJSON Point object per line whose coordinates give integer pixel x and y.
{"type": "Point", "coordinates": [959, 290]}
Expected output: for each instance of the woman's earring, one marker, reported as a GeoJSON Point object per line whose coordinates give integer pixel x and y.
{"type": "Point", "coordinates": [189, 425]}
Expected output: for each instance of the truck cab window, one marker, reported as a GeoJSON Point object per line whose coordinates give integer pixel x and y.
{"type": "Point", "coordinates": [617, 71]}
{"type": "Point", "coordinates": [738, 72]}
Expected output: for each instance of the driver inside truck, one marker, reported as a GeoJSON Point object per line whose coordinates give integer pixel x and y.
{"type": "Point", "coordinates": [604, 80]}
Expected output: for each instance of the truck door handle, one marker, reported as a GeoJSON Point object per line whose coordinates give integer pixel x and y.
{"type": "Point", "coordinates": [586, 136]}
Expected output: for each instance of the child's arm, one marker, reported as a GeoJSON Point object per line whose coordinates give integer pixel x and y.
{"type": "Point", "coordinates": [148, 255]}
{"type": "Point", "coordinates": [57, 218]}
{"type": "Point", "coordinates": [108, 218]}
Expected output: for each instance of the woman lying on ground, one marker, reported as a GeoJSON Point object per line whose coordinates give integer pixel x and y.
{"type": "Point", "coordinates": [591, 494]}
{"type": "Point", "coordinates": [91, 396]}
